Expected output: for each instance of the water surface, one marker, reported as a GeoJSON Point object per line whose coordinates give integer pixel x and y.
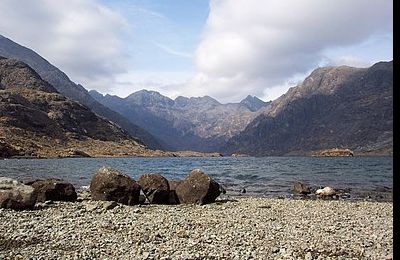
{"type": "Point", "coordinates": [265, 176]}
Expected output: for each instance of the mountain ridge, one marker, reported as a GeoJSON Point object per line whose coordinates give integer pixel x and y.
{"type": "Point", "coordinates": [333, 107]}
{"type": "Point", "coordinates": [37, 121]}
{"type": "Point", "coordinates": [77, 92]}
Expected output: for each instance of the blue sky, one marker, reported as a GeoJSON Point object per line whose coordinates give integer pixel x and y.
{"type": "Point", "coordinates": [163, 35]}
{"type": "Point", "coordinates": [223, 48]}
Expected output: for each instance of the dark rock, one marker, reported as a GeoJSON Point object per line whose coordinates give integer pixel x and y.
{"type": "Point", "coordinates": [7, 150]}
{"type": "Point", "coordinates": [53, 190]}
{"type": "Point", "coordinates": [15, 195]}
{"type": "Point", "coordinates": [142, 199]}
{"type": "Point", "coordinates": [111, 185]}
{"type": "Point", "coordinates": [155, 187]}
{"type": "Point", "coordinates": [197, 188]}
{"type": "Point", "coordinates": [243, 190]}
{"type": "Point", "coordinates": [173, 197]}
{"type": "Point", "coordinates": [301, 188]}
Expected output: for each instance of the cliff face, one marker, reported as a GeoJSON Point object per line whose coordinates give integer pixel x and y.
{"type": "Point", "coordinates": [333, 107]}
{"type": "Point", "coordinates": [36, 120]}
{"type": "Point", "coordinates": [66, 87]}
{"type": "Point", "coordinates": [200, 124]}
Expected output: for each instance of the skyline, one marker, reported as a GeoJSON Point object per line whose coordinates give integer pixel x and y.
{"type": "Point", "coordinates": [224, 49]}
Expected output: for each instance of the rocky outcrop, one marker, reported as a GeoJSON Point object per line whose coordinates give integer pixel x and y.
{"type": "Point", "coordinates": [197, 188]}
{"type": "Point", "coordinates": [15, 195]}
{"type": "Point", "coordinates": [155, 187]}
{"type": "Point", "coordinates": [335, 152]}
{"type": "Point", "coordinates": [333, 107]}
{"type": "Point", "coordinates": [53, 189]}
{"type": "Point", "coordinates": [7, 150]}
{"type": "Point", "coordinates": [111, 185]}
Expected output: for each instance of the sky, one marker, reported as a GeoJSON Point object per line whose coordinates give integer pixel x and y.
{"type": "Point", "coordinates": [226, 49]}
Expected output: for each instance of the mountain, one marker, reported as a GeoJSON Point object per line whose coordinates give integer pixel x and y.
{"type": "Point", "coordinates": [36, 120]}
{"type": "Point", "coordinates": [196, 123]}
{"type": "Point", "coordinates": [333, 107]}
{"type": "Point", "coordinates": [65, 86]}
{"type": "Point", "coordinates": [253, 103]}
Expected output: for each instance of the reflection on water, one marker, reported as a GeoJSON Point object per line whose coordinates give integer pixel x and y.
{"type": "Point", "coordinates": [266, 175]}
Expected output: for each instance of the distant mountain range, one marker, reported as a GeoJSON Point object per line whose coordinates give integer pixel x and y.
{"type": "Point", "coordinates": [342, 107]}
{"type": "Point", "coordinates": [200, 124]}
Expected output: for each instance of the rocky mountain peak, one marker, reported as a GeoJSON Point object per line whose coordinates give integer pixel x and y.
{"type": "Point", "coordinates": [253, 103]}
{"type": "Point", "coordinates": [149, 98]}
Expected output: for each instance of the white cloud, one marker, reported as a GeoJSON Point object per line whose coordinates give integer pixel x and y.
{"type": "Point", "coordinates": [253, 46]}
{"type": "Point", "coordinates": [81, 37]}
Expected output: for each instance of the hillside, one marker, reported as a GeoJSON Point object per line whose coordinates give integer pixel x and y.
{"type": "Point", "coordinates": [65, 86]}
{"type": "Point", "coordinates": [37, 121]}
{"type": "Point", "coordinates": [333, 107]}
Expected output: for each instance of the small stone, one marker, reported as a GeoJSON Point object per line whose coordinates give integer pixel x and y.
{"type": "Point", "coordinates": [327, 191]}
{"type": "Point", "coordinates": [308, 256]}
{"type": "Point", "coordinates": [107, 205]}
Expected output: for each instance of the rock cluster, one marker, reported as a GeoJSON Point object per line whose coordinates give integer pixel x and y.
{"type": "Point", "coordinates": [110, 185]}
{"type": "Point", "coordinates": [303, 189]}
{"type": "Point", "coordinates": [197, 188]}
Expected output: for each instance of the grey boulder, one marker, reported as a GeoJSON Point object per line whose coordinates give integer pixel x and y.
{"type": "Point", "coordinates": [16, 195]}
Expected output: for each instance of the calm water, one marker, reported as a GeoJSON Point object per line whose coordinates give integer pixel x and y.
{"type": "Point", "coordinates": [267, 176]}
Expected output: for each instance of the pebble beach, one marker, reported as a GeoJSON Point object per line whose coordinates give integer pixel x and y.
{"type": "Point", "coordinates": [231, 228]}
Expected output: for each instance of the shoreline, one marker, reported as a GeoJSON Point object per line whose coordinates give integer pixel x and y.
{"type": "Point", "coordinates": [230, 228]}
{"type": "Point", "coordinates": [182, 156]}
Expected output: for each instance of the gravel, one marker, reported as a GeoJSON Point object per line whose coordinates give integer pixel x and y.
{"type": "Point", "coordinates": [235, 228]}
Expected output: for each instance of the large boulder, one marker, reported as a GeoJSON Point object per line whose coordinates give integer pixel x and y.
{"type": "Point", "coordinates": [53, 189]}
{"type": "Point", "coordinates": [16, 195]}
{"type": "Point", "coordinates": [155, 187]}
{"type": "Point", "coordinates": [111, 185]}
{"type": "Point", "coordinates": [301, 188]}
{"type": "Point", "coordinates": [197, 188]}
